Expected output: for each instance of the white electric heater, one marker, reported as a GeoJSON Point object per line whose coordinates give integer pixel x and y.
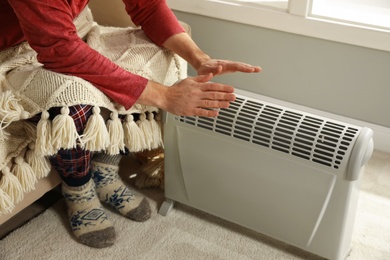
{"type": "Point", "coordinates": [285, 173]}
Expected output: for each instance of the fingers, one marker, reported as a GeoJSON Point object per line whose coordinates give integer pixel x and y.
{"type": "Point", "coordinates": [219, 67]}
{"type": "Point", "coordinates": [203, 78]}
{"type": "Point", "coordinates": [219, 70]}
{"type": "Point", "coordinates": [241, 67]}
{"type": "Point", "coordinates": [212, 104]}
{"type": "Point", "coordinates": [244, 67]}
{"type": "Point", "coordinates": [216, 87]}
{"type": "Point", "coordinates": [214, 96]}
{"type": "Point", "coordinates": [216, 99]}
{"type": "Point", "coordinates": [196, 96]}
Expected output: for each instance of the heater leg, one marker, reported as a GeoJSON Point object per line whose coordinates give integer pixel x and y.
{"type": "Point", "coordinates": [166, 207]}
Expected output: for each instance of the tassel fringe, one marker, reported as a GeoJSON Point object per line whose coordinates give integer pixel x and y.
{"type": "Point", "coordinates": [40, 164]}
{"type": "Point", "coordinates": [116, 133]}
{"type": "Point", "coordinates": [156, 138]}
{"type": "Point", "coordinates": [61, 133]}
{"type": "Point", "coordinates": [95, 137]}
{"type": "Point", "coordinates": [113, 136]}
{"type": "Point", "coordinates": [11, 186]}
{"type": "Point", "coordinates": [44, 145]}
{"type": "Point", "coordinates": [10, 109]}
{"type": "Point", "coordinates": [146, 129]}
{"type": "Point", "coordinates": [134, 138]}
{"type": "Point", "coordinates": [6, 205]}
{"type": "Point", "coordinates": [64, 133]}
{"type": "Point", "coordinates": [25, 174]}
{"type": "Point", "coordinates": [3, 134]}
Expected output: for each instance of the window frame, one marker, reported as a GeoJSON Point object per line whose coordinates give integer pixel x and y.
{"type": "Point", "coordinates": [295, 20]}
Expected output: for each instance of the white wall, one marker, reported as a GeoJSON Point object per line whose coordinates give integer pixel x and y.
{"type": "Point", "coordinates": [348, 81]}
{"type": "Point", "coordinates": [341, 79]}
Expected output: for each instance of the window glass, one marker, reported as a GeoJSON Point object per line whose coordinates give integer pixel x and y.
{"type": "Point", "coordinates": [365, 12]}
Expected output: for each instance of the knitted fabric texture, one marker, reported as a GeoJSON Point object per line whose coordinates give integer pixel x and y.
{"type": "Point", "coordinates": [27, 89]}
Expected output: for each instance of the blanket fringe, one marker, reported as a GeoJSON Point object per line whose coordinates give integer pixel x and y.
{"type": "Point", "coordinates": [22, 178]}
{"type": "Point", "coordinates": [116, 133]}
{"type": "Point", "coordinates": [156, 137]}
{"type": "Point", "coordinates": [64, 132]}
{"type": "Point", "coordinates": [95, 136]}
{"type": "Point", "coordinates": [6, 205]}
{"type": "Point", "coordinates": [10, 109]}
{"type": "Point", "coordinates": [44, 145]}
{"type": "Point", "coordinates": [134, 137]}
{"type": "Point", "coordinates": [3, 134]}
{"type": "Point", "coordinates": [25, 174]}
{"type": "Point", "coordinates": [112, 136]}
{"type": "Point", "coordinates": [10, 184]}
{"type": "Point", "coordinates": [39, 164]}
{"type": "Point", "coordinates": [146, 128]}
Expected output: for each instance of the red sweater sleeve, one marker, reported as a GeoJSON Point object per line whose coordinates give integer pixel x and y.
{"type": "Point", "coordinates": [49, 29]}
{"type": "Point", "coordinates": [155, 17]}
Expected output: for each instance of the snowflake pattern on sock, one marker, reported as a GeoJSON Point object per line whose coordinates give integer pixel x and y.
{"type": "Point", "coordinates": [120, 195]}
{"type": "Point", "coordinates": [85, 218]}
{"type": "Point", "coordinates": [87, 214]}
{"type": "Point", "coordinates": [105, 176]}
{"type": "Point", "coordinates": [101, 179]}
{"type": "Point", "coordinates": [80, 198]}
{"type": "Point", "coordinates": [113, 191]}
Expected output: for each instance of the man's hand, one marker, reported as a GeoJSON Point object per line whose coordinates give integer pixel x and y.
{"type": "Point", "coordinates": [193, 96]}
{"type": "Point", "coordinates": [185, 47]}
{"type": "Point", "coordinates": [219, 67]}
{"type": "Point", "coordinates": [197, 96]}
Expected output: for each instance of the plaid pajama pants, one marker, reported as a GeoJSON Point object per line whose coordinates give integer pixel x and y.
{"type": "Point", "coordinates": [73, 165]}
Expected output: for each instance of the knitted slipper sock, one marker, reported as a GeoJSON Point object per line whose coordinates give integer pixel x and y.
{"type": "Point", "coordinates": [88, 221]}
{"type": "Point", "coordinates": [111, 189]}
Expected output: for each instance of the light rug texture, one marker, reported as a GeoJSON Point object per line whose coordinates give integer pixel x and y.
{"type": "Point", "coordinates": [187, 233]}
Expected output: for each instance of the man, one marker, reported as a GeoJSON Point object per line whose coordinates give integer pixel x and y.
{"type": "Point", "coordinates": [49, 27]}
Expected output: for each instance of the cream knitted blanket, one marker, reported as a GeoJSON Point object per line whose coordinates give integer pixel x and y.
{"type": "Point", "coordinates": [27, 89]}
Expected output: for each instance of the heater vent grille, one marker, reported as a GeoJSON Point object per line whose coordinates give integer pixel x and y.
{"type": "Point", "coordinates": [299, 134]}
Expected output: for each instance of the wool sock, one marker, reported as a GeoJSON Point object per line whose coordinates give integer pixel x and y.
{"type": "Point", "coordinates": [88, 221]}
{"type": "Point", "coordinates": [111, 189]}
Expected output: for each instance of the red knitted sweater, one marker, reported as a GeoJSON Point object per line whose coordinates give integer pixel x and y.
{"type": "Point", "coordinates": [48, 27]}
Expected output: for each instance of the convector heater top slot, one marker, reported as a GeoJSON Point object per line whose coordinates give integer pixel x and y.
{"type": "Point", "coordinates": [289, 131]}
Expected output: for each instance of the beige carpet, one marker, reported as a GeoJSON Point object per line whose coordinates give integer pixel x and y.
{"type": "Point", "coordinates": [190, 234]}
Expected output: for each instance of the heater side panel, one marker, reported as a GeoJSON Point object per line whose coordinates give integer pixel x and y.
{"type": "Point", "coordinates": [253, 187]}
